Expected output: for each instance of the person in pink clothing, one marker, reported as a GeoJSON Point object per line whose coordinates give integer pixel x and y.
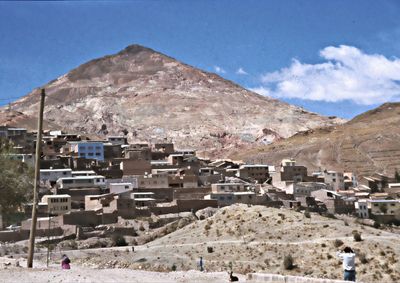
{"type": "Point", "coordinates": [65, 262]}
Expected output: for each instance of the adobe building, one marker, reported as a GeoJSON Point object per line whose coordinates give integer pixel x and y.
{"type": "Point", "coordinates": [56, 204]}
{"type": "Point", "coordinates": [153, 181]}
{"type": "Point", "coordinates": [132, 167]}
{"type": "Point", "coordinates": [334, 202]}
{"type": "Point", "coordinates": [289, 171]}
{"type": "Point", "coordinates": [257, 172]}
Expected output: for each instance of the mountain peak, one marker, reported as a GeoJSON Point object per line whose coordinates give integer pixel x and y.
{"type": "Point", "coordinates": [154, 96]}
{"type": "Point", "coordinates": [136, 48]}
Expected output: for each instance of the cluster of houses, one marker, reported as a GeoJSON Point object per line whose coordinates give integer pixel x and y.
{"type": "Point", "coordinates": [91, 182]}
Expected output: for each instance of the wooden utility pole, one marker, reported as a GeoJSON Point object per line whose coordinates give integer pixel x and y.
{"type": "Point", "coordinates": [36, 181]}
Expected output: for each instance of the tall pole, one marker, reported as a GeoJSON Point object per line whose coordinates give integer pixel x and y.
{"type": "Point", "coordinates": [36, 181]}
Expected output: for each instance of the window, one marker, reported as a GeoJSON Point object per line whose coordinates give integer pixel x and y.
{"type": "Point", "coordinates": [126, 187]}
{"type": "Point", "coordinates": [90, 154]}
{"type": "Point", "coordinates": [98, 153]}
{"type": "Point", "coordinates": [90, 147]}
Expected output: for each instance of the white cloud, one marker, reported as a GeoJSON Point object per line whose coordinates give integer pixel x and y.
{"type": "Point", "coordinates": [219, 70]}
{"type": "Point", "coordinates": [241, 71]}
{"type": "Point", "coordinates": [347, 74]}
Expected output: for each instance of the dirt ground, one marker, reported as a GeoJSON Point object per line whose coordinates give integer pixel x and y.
{"type": "Point", "coordinates": [88, 275]}
{"type": "Point", "coordinates": [244, 239]}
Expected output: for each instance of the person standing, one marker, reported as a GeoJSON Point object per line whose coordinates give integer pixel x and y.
{"type": "Point", "coordinates": [65, 262]}
{"type": "Point", "coordinates": [201, 264]}
{"type": "Point", "coordinates": [349, 266]}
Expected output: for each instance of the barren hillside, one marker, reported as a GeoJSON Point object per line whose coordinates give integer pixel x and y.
{"type": "Point", "coordinates": [368, 143]}
{"type": "Point", "coordinates": [258, 238]}
{"type": "Point", "coordinates": [154, 96]}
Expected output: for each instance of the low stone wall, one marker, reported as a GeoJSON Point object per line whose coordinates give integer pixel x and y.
{"type": "Point", "coordinates": [276, 278]}
{"type": "Point", "coordinates": [194, 204]}
{"type": "Point", "coordinates": [14, 236]}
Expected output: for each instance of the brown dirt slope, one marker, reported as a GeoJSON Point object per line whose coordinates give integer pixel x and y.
{"type": "Point", "coordinates": [256, 239]}
{"type": "Point", "coordinates": [156, 97]}
{"type": "Point", "coordinates": [368, 143]}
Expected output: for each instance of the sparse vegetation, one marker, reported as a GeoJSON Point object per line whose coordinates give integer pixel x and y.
{"type": "Point", "coordinates": [15, 181]}
{"type": "Point", "coordinates": [363, 258]}
{"type": "Point", "coordinates": [357, 237]}
{"type": "Point", "coordinates": [119, 241]}
{"type": "Point", "coordinates": [338, 243]}
{"type": "Point", "coordinates": [173, 267]}
{"type": "Point", "coordinates": [288, 262]}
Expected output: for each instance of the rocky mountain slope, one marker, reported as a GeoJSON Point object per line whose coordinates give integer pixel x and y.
{"type": "Point", "coordinates": [155, 97]}
{"type": "Point", "coordinates": [368, 143]}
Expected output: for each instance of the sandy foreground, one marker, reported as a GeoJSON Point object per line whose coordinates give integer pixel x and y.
{"type": "Point", "coordinates": [79, 274]}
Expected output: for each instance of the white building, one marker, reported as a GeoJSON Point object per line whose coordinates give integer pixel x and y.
{"type": "Point", "coordinates": [81, 182]}
{"type": "Point", "coordinates": [334, 179]}
{"type": "Point", "coordinates": [362, 208]}
{"type": "Point", "coordinates": [117, 188]}
{"type": "Point", "coordinates": [83, 173]}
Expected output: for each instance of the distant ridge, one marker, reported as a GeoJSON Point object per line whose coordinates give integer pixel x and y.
{"type": "Point", "coordinates": [367, 144]}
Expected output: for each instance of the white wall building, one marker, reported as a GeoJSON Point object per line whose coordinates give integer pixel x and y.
{"type": "Point", "coordinates": [334, 179]}
{"type": "Point", "coordinates": [117, 188]}
{"type": "Point", "coordinates": [81, 182]}
{"type": "Point", "coordinates": [362, 208]}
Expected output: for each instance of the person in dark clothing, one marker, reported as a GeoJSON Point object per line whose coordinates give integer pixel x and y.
{"type": "Point", "coordinates": [65, 262]}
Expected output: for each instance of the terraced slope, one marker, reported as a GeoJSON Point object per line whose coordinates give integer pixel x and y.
{"type": "Point", "coordinates": [368, 143]}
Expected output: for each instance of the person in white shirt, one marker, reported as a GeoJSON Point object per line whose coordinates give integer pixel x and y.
{"type": "Point", "coordinates": [349, 266]}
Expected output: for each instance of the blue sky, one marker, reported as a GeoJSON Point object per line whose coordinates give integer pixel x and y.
{"type": "Point", "coordinates": [331, 57]}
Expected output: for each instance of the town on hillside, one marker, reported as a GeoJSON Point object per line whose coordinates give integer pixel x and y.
{"type": "Point", "coordinates": [89, 183]}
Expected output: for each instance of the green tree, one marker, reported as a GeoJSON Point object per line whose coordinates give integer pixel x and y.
{"type": "Point", "coordinates": [16, 181]}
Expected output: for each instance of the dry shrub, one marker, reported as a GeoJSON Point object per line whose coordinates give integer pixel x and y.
{"type": "Point", "coordinates": [357, 237]}
{"type": "Point", "coordinates": [363, 258]}
{"type": "Point", "coordinates": [337, 243]}
{"type": "Point", "coordinates": [288, 262]}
